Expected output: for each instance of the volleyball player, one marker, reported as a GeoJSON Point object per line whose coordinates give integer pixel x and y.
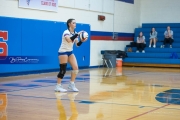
{"type": "Point", "coordinates": [65, 55]}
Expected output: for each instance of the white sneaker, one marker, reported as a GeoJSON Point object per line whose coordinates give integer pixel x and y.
{"type": "Point", "coordinates": [154, 46]}
{"type": "Point", "coordinates": [143, 51]}
{"type": "Point", "coordinates": [170, 46]}
{"type": "Point", "coordinates": [137, 51]}
{"type": "Point", "coordinates": [149, 45]}
{"type": "Point", "coordinates": [59, 88]}
{"type": "Point", "coordinates": [73, 87]}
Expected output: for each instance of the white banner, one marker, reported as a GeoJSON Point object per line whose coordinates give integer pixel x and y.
{"type": "Point", "coordinates": [49, 5]}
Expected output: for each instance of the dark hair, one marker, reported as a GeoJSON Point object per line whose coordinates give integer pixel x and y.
{"type": "Point", "coordinates": [152, 31]}
{"type": "Point", "coordinates": [169, 27]}
{"type": "Point", "coordinates": [69, 21]}
{"type": "Point", "coordinates": [139, 34]}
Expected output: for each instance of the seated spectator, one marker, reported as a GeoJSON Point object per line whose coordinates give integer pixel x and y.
{"type": "Point", "coordinates": [141, 42]}
{"type": "Point", "coordinates": [168, 37]}
{"type": "Point", "coordinates": [153, 37]}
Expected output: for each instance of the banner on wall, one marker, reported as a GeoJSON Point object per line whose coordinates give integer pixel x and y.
{"type": "Point", "coordinates": [48, 5]}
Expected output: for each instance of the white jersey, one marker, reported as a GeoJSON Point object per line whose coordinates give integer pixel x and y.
{"type": "Point", "coordinates": [65, 46]}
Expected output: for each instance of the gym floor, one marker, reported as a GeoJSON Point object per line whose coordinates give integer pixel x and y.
{"type": "Point", "coordinates": [128, 93]}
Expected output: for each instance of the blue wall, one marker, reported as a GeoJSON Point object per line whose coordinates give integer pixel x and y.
{"type": "Point", "coordinates": [28, 37]}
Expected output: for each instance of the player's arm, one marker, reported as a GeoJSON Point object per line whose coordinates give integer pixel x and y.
{"type": "Point", "coordinates": [156, 34]}
{"type": "Point", "coordinates": [144, 40]}
{"type": "Point", "coordinates": [170, 34]}
{"type": "Point", "coordinates": [72, 38]}
{"type": "Point", "coordinates": [78, 43]}
{"type": "Point", "coordinates": [166, 34]}
{"type": "Point", "coordinates": [137, 40]}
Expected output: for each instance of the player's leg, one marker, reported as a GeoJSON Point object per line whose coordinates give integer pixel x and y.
{"type": "Point", "coordinates": [142, 46]}
{"type": "Point", "coordinates": [73, 62]}
{"type": "Point", "coordinates": [154, 41]}
{"type": "Point", "coordinates": [170, 42]}
{"type": "Point", "coordinates": [165, 41]}
{"type": "Point", "coordinates": [150, 42]}
{"type": "Point", "coordinates": [138, 47]}
{"type": "Point", "coordinates": [63, 59]}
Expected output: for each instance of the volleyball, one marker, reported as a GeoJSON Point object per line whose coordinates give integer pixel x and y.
{"type": "Point", "coordinates": [84, 36]}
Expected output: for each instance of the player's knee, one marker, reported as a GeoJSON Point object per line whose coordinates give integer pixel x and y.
{"type": "Point", "coordinates": [62, 70]}
{"type": "Point", "coordinates": [75, 67]}
{"type": "Point", "coordinates": [75, 71]}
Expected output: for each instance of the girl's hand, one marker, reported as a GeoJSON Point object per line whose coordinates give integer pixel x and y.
{"type": "Point", "coordinates": [84, 40]}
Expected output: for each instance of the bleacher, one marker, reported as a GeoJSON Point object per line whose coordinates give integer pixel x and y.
{"type": "Point", "coordinates": [159, 57]}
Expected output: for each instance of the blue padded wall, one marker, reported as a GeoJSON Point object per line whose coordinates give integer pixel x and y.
{"type": "Point", "coordinates": [28, 37]}
{"type": "Point", "coordinates": [13, 26]}
{"type": "Point", "coordinates": [32, 39]}
{"type": "Point", "coordinates": [51, 42]}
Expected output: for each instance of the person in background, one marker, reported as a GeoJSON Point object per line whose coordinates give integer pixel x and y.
{"type": "Point", "coordinates": [141, 43]}
{"type": "Point", "coordinates": [168, 34]}
{"type": "Point", "coordinates": [153, 37]}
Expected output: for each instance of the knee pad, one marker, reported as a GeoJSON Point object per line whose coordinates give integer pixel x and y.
{"type": "Point", "coordinates": [62, 70]}
{"type": "Point", "coordinates": [75, 71]}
